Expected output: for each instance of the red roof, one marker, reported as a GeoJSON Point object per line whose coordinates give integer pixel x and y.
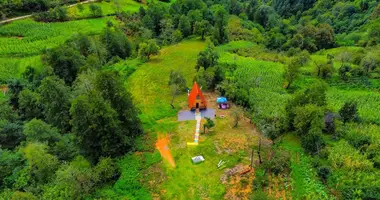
{"type": "Point", "coordinates": [196, 91]}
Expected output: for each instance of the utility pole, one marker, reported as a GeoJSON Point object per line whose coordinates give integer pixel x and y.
{"type": "Point", "coordinates": [252, 158]}
{"type": "Point", "coordinates": [259, 151]}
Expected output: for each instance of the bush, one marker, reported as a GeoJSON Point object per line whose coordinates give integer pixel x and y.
{"type": "Point", "coordinates": [279, 162]}
{"type": "Point", "coordinates": [313, 142]}
{"type": "Point", "coordinates": [96, 10]}
{"type": "Point", "coordinates": [324, 172]}
{"type": "Point", "coordinates": [58, 14]}
{"type": "Point", "coordinates": [349, 112]}
{"type": "Point", "coordinates": [307, 118]}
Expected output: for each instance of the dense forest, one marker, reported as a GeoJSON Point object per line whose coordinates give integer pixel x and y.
{"type": "Point", "coordinates": [86, 89]}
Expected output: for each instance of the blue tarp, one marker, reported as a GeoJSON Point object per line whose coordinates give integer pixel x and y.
{"type": "Point", "coordinates": [221, 100]}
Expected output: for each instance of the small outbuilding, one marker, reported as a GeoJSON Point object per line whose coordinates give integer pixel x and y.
{"type": "Point", "coordinates": [196, 98]}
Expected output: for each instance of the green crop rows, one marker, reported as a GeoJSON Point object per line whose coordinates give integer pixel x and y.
{"type": "Point", "coordinates": [368, 102]}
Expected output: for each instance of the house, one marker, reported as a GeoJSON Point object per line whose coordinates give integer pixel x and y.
{"type": "Point", "coordinates": [196, 98]}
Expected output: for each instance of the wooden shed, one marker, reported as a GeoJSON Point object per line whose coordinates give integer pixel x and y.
{"type": "Point", "coordinates": [196, 98]}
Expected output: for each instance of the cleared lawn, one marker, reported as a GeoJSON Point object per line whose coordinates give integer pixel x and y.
{"type": "Point", "coordinates": [187, 181]}
{"type": "Point", "coordinates": [108, 8]}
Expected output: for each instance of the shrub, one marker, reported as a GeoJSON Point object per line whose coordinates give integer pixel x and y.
{"type": "Point", "coordinates": [278, 163]}
{"type": "Point", "coordinates": [96, 10]}
{"type": "Point", "coordinates": [307, 118]}
{"type": "Point", "coordinates": [324, 172]}
{"type": "Point", "coordinates": [313, 142]}
{"type": "Point", "coordinates": [349, 112]}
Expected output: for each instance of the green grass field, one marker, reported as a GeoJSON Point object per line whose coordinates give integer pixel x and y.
{"type": "Point", "coordinates": [22, 42]}
{"type": "Point", "coordinates": [108, 8]}
{"type": "Point", "coordinates": [151, 93]}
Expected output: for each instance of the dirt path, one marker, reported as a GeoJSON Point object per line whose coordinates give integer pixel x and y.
{"type": "Point", "coordinates": [27, 16]}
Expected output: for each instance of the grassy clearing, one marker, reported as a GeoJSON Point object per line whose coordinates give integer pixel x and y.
{"type": "Point", "coordinates": [108, 8]}
{"type": "Point", "coordinates": [151, 93]}
{"type": "Point", "coordinates": [149, 82]}
{"type": "Point", "coordinates": [235, 45]}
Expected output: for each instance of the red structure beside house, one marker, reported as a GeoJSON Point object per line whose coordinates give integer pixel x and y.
{"type": "Point", "coordinates": [196, 98]}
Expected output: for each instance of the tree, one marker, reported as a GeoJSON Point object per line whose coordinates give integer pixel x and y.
{"type": "Point", "coordinates": [6, 112]}
{"type": "Point", "coordinates": [176, 36]}
{"type": "Point", "coordinates": [208, 125]}
{"type": "Point", "coordinates": [111, 87]}
{"type": "Point", "coordinates": [279, 162]}
{"type": "Point", "coordinates": [313, 142]}
{"type": "Point", "coordinates": [66, 148]}
{"type": "Point", "coordinates": [96, 10]}
{"type": "Point", "coordinates": [266, 16]}
{"type": "Point", "coordinates": [154, 14]}
{"type": "Point", "coordinates": [167, 31]}
{"type": "Point", "coordinates": [184, 26]}
{"type": "Point", "coordinates": [349, 112]}
{"type": "Point", "coordinates": [207, 58]}
{"type": "Point", "coordinates": [97, 127]}
{"type": "Point", "coordinates": [272, 127]}
{"type": "Point", "coordinates": [38, 131]}
{"type": "Point", "coordinates": [220, 35]}
{"type": "Point", "coordinates": [65, 61]}
{"type": "Point", "coordinates": [15, 86]}
{"type": "Point", "coordinates": [29, 74]}
{"type": "Point", "coordinates": [80, 7]}
{"type": "Point", "coordinates": [148, 49]}
{"type": "Point", "coordinates": [343, 70]}
{"type": "Point", "coordinates": [201, 28]}
{"type": "Point", "coordinates": [324, 172]}
{"type": "Point", "coordinates": [325, 37]}
{"type": "Point", "coordinates": [374, 34]}
{"type": "Point", "coordinates": [30, 106]}
{"type": "Point", "coordinates": [308, 117]}
{"type": "Point", "coordinates": [326, 70]}
{"type": "Point", "coordinates": [105, 171]}
{"type": "Point", "coordinates": [81, 42]}
{"type": "Point", "coordinates": [207, 78]}
{"type": "Point", "coordinates": [287, 8]}
{"type": "Point", "coordinates": [10, 134]}
{"type": "Point", "coordinates": [368, 63]}
{"type": "Point", "coordinates": [23, 196]}
{"type": "Point", "coordinates": [55, 97]}
{"type": "Point", "coordinates": [72, 181]}
{"type": "Point", "coordinates": [291, 72]}
{"type": "Point", "coordinates": [41, 164]}
{"type": "Point", "coordinates": [314, 95]}
{"type": "Point", "coordinates": [116, 43]}
{"type": "Point", "coordinates": [177, 83]}
{"type": "Point", "coordinates": [58, 14]}
{"type": "Point", "coordinates": [9, 162]}
{"type": "Point", "coordinates": [236, 117]}
{"type": "Point", "coordinates": [194, 16]}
